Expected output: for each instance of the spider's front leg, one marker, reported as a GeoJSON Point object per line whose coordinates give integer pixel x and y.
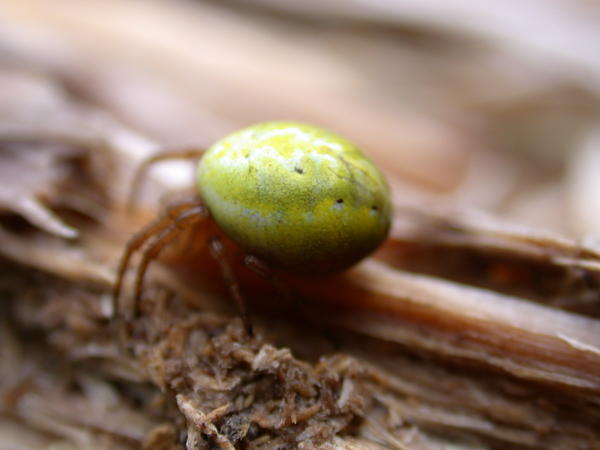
{"type": "Point", "coordinates": [177, 217]}
{"type": "Point", "coordinates": [178, 209]}
{"type": "Point", "coordinates": [185, 154]}
{"type": "Point", "coordinates": [152, 239]}
{"type": "Point", "coordinates": [179, 224]}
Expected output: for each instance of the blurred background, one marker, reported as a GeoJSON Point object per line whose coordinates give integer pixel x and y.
{"type": "Point", "coordinates": [489, 106]}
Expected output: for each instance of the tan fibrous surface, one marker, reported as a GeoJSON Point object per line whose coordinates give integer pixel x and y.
{"type": "Point", "coordinates": [475, 326]}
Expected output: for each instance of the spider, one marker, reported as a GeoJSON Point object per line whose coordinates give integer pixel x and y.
{"type": "Point", "coordinates": [290, 195]}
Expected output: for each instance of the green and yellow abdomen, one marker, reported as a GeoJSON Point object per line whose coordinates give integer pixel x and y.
{"type": "Point", "coordinates": [296, 195]}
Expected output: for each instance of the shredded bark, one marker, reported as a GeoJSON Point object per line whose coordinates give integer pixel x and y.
{"type": "Point", "coordinates": [475, 326]}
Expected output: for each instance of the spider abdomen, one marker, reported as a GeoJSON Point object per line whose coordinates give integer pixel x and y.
{"type": "Point", "coordinates": [296, 195]}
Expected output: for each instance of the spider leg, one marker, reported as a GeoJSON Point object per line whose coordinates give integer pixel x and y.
{"type": "Point", "coordinates": [159, 241]}
{"type": "Point", "coordinates": [217, 251]}
{"type": "Point", "coordinates": [191, 153]}
{"type": "Point", "coordinates": [138, 240]}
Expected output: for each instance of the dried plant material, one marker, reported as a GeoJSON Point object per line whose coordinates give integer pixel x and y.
{"type": "Point", "coordinates": [465, 331]}
{"type": "Point", "coordinates": [54, 257]}
{"type": "Point", "coordinates": [15, 435]}
{"type": "Point", "coordinates": [36, 160]}
{"type": "Point", "coordinates": [254, 391]}
{"type": "Point", "coordinates": [478, 249]}
{"type": "Point", "coordinates": [534, 331]}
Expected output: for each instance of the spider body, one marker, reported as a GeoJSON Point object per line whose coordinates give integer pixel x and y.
{"type": "Point", "coordinates": [293, 197]}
